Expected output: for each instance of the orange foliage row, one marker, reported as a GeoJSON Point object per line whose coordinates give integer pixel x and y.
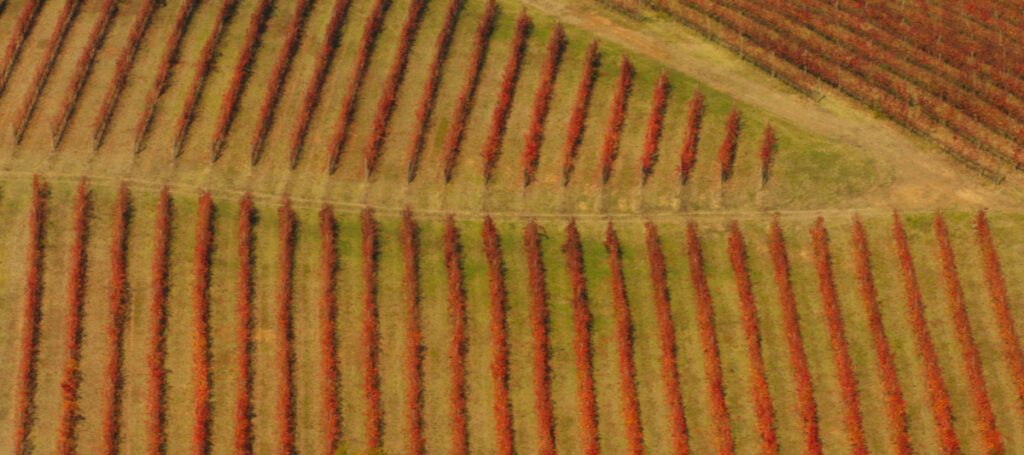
{"type": "Point", "coordinates": [429, 92]}
{"type": "Point", "coordinates": [414, 340]}
{"type": "Point", "coordinates": [111, 424]}
{"type": "Point", "coordinates": [617, 116]}
{"type": "Point", "coordinates": [767, 153]}
{"type": "Point", "coordinates": [727, 151]}
{"type": "Point", "coordinates": [624, 340]}
{"type": "Point", "coordinates": [937, 392]}
{"type": "Point", "coordinates": [574, 131]}
{"type": "Point", "coordinates": [980, 403]}
{"type": "Point", "coordinates": [654, 125]}
{"type": "Point", "coordinates": [26, 375]}
{"type": "Point", "coordinates": [582, 318]}
{"type": "Point", "coordinates": [243, 437]}
{"type": "Point", "coordinates": [201, 326]}
{"type": "Point", "coordinates": [688, 154]}
{"type": "Point", "coordinates": [460, 117]}
{"type": "Point", "coordinates": [759, 392]}
{"type": "Point", "coordinates": [285, 415]}
{"type": "Point", "coordinates": [156, 346]}
{"type": "Point", "coordinates": [240, 75]}
{"type": "Point", "coordinates": [499, 117]}
{"type": "Point", "coordinates": [542, 103]}
{"type": "Point", "coordinates": [76, 292]}
{"type": "Point", "coordinates": [499, 338]}
{"type": "Point", "coordinates": [374, 22]}
{"type": "Point", "coordinates": [329, 369]}
{"type": "Point", "coordinates": [541, 346]}
{"type": "Point", "coordinates": [370, 335]}
{"type": "Point", "coordinates": [26, 19]}
{"type": "Point", "coordinates": [808, 409]}
{"type": "Point", "coordinates": [895, 406]}
{"type": "Point", "coordinates": [457, 357]}
{"type": "Point", "coordinates": [389, 95]}
{"type": "Point", "coordinates": [837, 336]}
{"type": "Point", "coordinates": [709, 343]}
{"type": "Point", "coordinates": [667, 340]}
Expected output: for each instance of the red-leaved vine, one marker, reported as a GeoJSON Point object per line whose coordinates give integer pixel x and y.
{"type": "Point", "coordinates": [329, 368]}
{"type": "Point", "coordinates": [414, 334]}
{"type": "Point", "coordinates": [370, 336]}
{"type": "Point", "coordinates": [837, 336]}
{"type": "Point", "coordinates": [389, 94]}
{"type": "Point", "coordinates": [499, 118]}
{"type": "Point", "coordinates": [541, 344]}
{"type": "Point", "coordinates": [709, 343]}
{"type": "Point", "coordinates": [577, 122]}
{"type": "Point", "coordinates": [464, 103]}
{"type": "Point", "coordinates": [688, 154]}
{"type": "Point", "coordinates": [429, 93]}
{"type": "Point", "coordinates": [22, 28]}
{"type": "Point", "coordinates": [655, 122]}
{"type": "Point", "coordinates": [895, 406]}
{"type": "Point", "coordinates": [542, 104]}
{"type": "Point", "coordinates": [111, 424]}
{"type": "Point", "coordinates": [201, 327]}
{"type": "Point", "coordinates": [72, 377]}
{"type": "Point", "coordinates": [667, 340]}
{"type": "Point", "coordinates": [499, 338]}
{"type": "Point", "coordinates": [374, 22]}
{"type": "Point", "coordinates": [616, 118]}
{"type": "Point", "coordinates": [460, 338]}
{"type": "Point", "coordinates": [727, 151]}
{"type": "Point", "coordinates": [582, 319]}
{"type": "Point", "coordinates": [243, 437]}
{"type": "Point", "coordinates": [807, 408]}
{"type": "Point", "coordinates": [157, 343]}
{"type": "Point", "coordinates": [24, 409]}
{"type": "Point", "coordinates": [285, 418]}
{"type": "Point", "coordinates": [985, 419]}
{"type": "Point", "coordinates": [937, 392]}
{"type": "Point", "coordinates": [759, 393]}
{"type": "Point", "coordinates": [624, 340]}
{"type": "Point", "coordinates": [767, 153]}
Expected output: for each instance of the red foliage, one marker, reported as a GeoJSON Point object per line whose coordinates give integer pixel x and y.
{"type": "Point", "coordinates": [457, 357]}
{"type": "Point", "coordinates": [654, 125]}
{"type": "Point", "coordinates": [414, 348]}
{"type": "Point", "coordinates": [201, 326]}
{"type": "Point", "coordinates": [709, 343]}
{"type": "Point", "coordinates": [163, 74]}
{"type": "Point", "coordinates": [667, 339]}
{"type": "Point", "coordinates": [286, 351]}
{"type": "Point", "coordinates": [206, 57]}
{"type": "Point", "coordinates": [329, 368]}
{"type": "Point", "coordinates": [582, 343]}
{"type": "Point", "coordinates": [624, 339]}
{"type": "Point", "coordinates": [374, 22]}
{"type": "Point", "coordinates": [542, 104]}
{"type": "Point", "coordinates": [574, 132]}
{"type": "Point", "coordinates": [389, 94]}
{"type": "Point", "coordinates": [727, 152]}
{"type": "Point", "coordinates": [240, 75]}
{"type": "Point", "coordinates": [278, 76]}
{"type": "Point", "coordinates": [837, 335]}
{"type": "Point", "coordinates": [243, 437]}
{"type": "Point", "coordinates": [617, 116]}
{"type": "Point", "coordinates": [499, 338]}
{"type": "Point", "coordinates": [971, 358]}
{"type": "Point", "coordinates": [82, 69]}
{"type": "Point", "coordinates": [26, 380]}
{"type": "Point", "coordinates": [1001, 306]}
{"type": "Point", "coordinates": [541, 344]}
{"type": "Point", "coordinates": [759, 393]}
{"type": "Point", "coordinates": [464, 103]}
{"type": "Point", "coordinates": [76, 294]}
{"type": "Point", "coordinates": [157, 352]}
{"type": "Point", "coordinates": [111, 425]}
{"type": "Point", "coordinates": [323, 63]}
{"type": "Point", "coordinates": [121, 69]}
{"type": "Point", "coordinates": [370, 343]}
{"type": "Point", "coordinates": [937, 392]}
{"type": "Point", "coordinates": [767, 153]}
{"type": "Point", "coordinates": [499, 117]}
{"type": "Point", "coordinates": [22, 28]}
{"type": "Point", "coordinates": [896, 407]}
{"type": "Point", "coordinates": [808, 409]}
{"type": "Point", "coordinates": [429, 92]}
{"type": "Point", "coordinates": [42, 74]}
{"type": "Point", "coordinates": [688, 155]}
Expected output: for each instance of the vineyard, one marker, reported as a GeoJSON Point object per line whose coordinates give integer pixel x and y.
{"type": "Point", "coordinates": [511, 226]}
